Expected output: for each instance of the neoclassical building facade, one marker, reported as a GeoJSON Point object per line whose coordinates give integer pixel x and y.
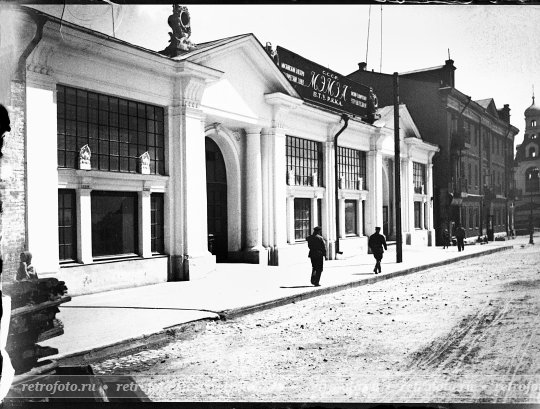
{"type": "Point", "coordinates": [142, 167]}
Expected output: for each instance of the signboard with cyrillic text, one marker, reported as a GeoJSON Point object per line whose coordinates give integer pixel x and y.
{"type": "Point", "coordinates": [323, 86]}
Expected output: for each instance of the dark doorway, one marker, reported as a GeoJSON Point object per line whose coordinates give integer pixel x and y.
{"type": "Point", "coordinates": [216, 191]}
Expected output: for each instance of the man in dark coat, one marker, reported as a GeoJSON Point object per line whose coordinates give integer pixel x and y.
{"type": "Point", "coordinates": [317, 251]}
{"type": "Point", "coordinates": [445, 238]}
{"type": "Point", "coordinates": [377, 244]}
{"type": "Point", "coordinates": [460, 237]}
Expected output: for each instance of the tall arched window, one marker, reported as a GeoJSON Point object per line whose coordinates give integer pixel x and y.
{"type": "Point", "coordinates": [532, 180]}
{"type": "Point", "coordinates": [532, 152]}
{"type": "Point", "coordinates": [533, 122]}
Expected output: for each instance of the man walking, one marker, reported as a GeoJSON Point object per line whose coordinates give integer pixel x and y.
{"type": "Point", "coordinates": [317, 250]}
{"type": "Point", "coordinates": [460, 237]}
{"type": "Point", "coordinates": [377, 243]}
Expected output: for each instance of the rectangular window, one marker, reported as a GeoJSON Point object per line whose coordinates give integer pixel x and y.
{"type": "Point", "coordinates": [302, 218]}
{"type": "Point", "coordinates": [350, 217]}
{"type": "Point", "coordinates": [67, 225]}
{"type": "Point", "coordinates": [352, 166]}
{"type": "Point", "coordinates": [157, 223]}
{"type": "Point", "coordinates": [471, 220]}
{"type": "Point", "coordinates": [476, 218]}
{"type": "Point", "coordinates": [116, 135]}
{"type": "Point", "coordinates": [417, 219]}
{"type": "Point", "coordinates": [419, 177]}
{"type": "Point", "coordinates": [304, 158]}
{"type": "Point", "coordinates": [114, 223]}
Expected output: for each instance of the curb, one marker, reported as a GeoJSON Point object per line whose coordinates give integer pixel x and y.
{"type": "Point", "coordinates": [189, 330]}
{"type": "Point", "coordinates": [238, 312]}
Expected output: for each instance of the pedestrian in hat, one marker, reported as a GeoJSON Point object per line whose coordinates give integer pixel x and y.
{"type": "Point", "coordinates": [460, 237]}
{"type": "Point", "coordinates": [377, 244]}
{"type": "Point", "coordinates": [445, 238]}
{"type": "Point", "coordinates": [317, 251]}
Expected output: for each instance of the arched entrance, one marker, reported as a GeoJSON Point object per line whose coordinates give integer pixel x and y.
{"type": "Point", "coordinates": [216, 192]}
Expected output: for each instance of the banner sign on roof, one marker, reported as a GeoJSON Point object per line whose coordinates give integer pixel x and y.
{"type": "Point", "coordinates": [325, 87]}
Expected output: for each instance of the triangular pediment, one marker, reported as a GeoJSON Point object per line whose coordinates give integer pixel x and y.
{"type": "Point", "coordinates": [249, 74]}
{"type": "Point", "coordinates": [489, 105]}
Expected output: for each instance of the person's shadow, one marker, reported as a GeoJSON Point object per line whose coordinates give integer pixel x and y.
{"type": "Point", "coordinates": [296, 286]}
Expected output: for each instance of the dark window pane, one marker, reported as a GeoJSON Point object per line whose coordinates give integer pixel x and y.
{"type": "Point", "coordinates": [67, 225]}
{"type": "Point", "coordinates": [157, 222]}
{"type": "Point", "coordinates": [350, 217]}
{"type": "Point", "coordinates": [114, 223]}
{"type": "Point", "coordinates": [114, 164]}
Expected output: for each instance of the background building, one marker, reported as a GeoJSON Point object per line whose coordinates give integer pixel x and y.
{"type": "Point", "coordinates": [473, 170]}
{"type": "Point", "coordinates": [527, 165]}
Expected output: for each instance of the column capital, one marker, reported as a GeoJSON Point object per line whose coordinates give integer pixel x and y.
{"type": "Point", "coordinates": [253, 130]}
{"type": "Point", "coordinates": [282, 105]}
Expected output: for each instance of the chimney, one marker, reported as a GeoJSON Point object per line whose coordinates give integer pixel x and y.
{"type": "Point", "coordinates": [362, 66]}
{"type": "Point", "coordinates": [504, 113]}
{"type": "Point", "coordinates": [449, 69]}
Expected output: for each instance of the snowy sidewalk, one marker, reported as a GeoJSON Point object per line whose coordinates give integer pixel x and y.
{"type": "Point", "coordinates": [106, 323]}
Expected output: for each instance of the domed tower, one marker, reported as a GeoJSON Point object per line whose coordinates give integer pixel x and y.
{"type": "Point", "coordinates": [527, 172]}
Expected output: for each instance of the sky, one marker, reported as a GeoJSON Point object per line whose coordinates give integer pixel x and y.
{"type": "Point", "coordinates": [495, 48]}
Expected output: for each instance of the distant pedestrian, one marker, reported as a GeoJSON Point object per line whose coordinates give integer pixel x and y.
{"type": "Point", "coordinates": [460, 237]}
{"type": "Point", "coordinates": [317, 254]}
{"type": "Point", "coordinates": [445, 238]}
{"type": "Point", "coordinates": [377, 244]}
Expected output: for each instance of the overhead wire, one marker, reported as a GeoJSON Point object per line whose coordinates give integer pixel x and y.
{"type": "Point", "coordinates": [380, 64]}
{"type": "Point", "coordinates": [368, 28]}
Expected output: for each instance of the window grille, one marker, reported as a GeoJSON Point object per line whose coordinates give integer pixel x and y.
{"type": "Point", "coordinates": [156, 222]}
{"type": "Point", "coordinates": [419, 177]}
{"type": "Point", "coordinates": [302, 218]}
{"type": "Point", "coordinates": [304, 158]}
{"type": "Point", "coordinates": [352, 166]}
{"type": "Point", "coordinates": [117, 131]}
{"type": "Point", "coordinates": [67, 225]}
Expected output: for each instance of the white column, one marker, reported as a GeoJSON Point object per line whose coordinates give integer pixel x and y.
{"type": "Point", "coordinates": [314, 212]}
{"type": "Point", "coordinates": [341, 217]}
{"type": "Point", "coordinates": [330, 196]}
{"type": "Point", "coordinates": [359, 218]}
{"type": "Point", "coordinates": [290, 219]}
{"type": "Point", "coordinates": [253, 198]}
{"type": "Point", "coordinates": [280, 201]}
{"type": "Point", "coordinates": [410, 195]}
{"type": "Point", "coordinates": [84, 226]}
{"type": "Point", "coordinates": [374, 212]}
{"type": "Point", "coordinates": [145, 225]}
{"type": "Point", "coordinates": [194, 178]}
{"type": "Point", "coordinates": [41, 178]}
{"type": "Point", "coordinates": [174, 196]}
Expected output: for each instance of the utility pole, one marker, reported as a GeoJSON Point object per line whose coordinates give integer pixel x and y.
{"type": "Point", "coordinates": [397, 171]}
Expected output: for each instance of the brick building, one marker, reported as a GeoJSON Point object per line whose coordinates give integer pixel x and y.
{"type": "Point", "coordinates": [472, 173]}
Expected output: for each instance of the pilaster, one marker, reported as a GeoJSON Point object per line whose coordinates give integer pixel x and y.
{"type": "Point", "coordinates": [84, 225]}
{"type": "Point", "coordinates": [253, 197]}
{"type": "Point", "coordinates": [145, 225]}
